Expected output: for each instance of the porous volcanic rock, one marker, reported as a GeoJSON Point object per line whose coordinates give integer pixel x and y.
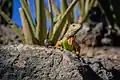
{"type": "Point", "coordinates": [37, 63]}
{"type": "Point", "coordinates": [31, 62]}
{"type": "Point", "coordinates": [8, 36]}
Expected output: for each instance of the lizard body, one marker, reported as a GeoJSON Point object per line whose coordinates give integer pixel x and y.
{"type": "Point", "coordinates": [68, 41]}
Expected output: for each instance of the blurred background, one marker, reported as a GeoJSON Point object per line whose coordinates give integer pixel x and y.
{"type": "Point", "coordinates": [11, 7]}
{"type": "Point", "coordinates": [110, 8]}
{"type": "Point", "coordinates": [6, 6]}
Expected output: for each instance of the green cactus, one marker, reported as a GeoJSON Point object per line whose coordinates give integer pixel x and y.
{"type": "Point", "coordinates": [27, 13]}
{"type": "Point", "coordinates": [41, 30]}
{"type": "Point", "coordinates": [26, 29]}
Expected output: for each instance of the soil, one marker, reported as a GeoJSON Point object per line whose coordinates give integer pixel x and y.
{"type": "Point", "coordinates": [97, 63]}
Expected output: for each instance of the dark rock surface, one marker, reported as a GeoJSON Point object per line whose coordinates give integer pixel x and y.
{"type": "Point", "coordinates": [25, 62]}
{"type": "Point", "coordinates": [35, 63]}
{"type": "Point", "coordinates": [8, 36]}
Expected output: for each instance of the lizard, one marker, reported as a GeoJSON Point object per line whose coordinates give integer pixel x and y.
{"type": "Point", "coordinates": [68, 41]}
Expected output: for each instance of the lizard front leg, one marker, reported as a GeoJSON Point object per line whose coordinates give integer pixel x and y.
{"type": "Point", "coordinates": [65, 44]}
{"type": "Point", "coordinates": [59, 44]}
{"type": "Point", "coordinates": [76, 46]}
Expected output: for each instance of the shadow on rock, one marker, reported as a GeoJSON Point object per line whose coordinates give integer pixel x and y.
{"type": "Point", "coordinates": [116, 74]}
{"type": "Point", "coordinates": [88, 74]}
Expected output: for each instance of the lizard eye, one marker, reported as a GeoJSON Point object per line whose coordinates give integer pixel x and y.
{"type": "Point", "coordinates": [73, 25]}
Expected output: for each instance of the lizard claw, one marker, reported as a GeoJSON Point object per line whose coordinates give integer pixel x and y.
{"type": "Point", "coordinates": [58, 44]}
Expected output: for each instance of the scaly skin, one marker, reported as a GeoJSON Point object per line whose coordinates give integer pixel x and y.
{"type": "Point", "coordinates": [68, 42]}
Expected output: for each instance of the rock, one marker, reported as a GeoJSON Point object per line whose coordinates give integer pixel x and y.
{"type": "Point", "coordinates": [98, 28]}
{"type": "Point", "coordinates": [27, 62]}
{"type": "Point", "coordinates": [90, 35]}
{"type": "Point", "coordinates": [37, 63]}
{"type": "Point", "coordinates": [106, 41]}
{"type": "Point", "coordinates": [82, 33]}
{"type": "Point", "coordinates": [85, 29]}
{"type": "Point", "coordinates": [8, 36]}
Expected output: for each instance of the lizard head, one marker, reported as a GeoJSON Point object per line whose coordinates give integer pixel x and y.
{"type": "Point", "coordinates": [73, 29]}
